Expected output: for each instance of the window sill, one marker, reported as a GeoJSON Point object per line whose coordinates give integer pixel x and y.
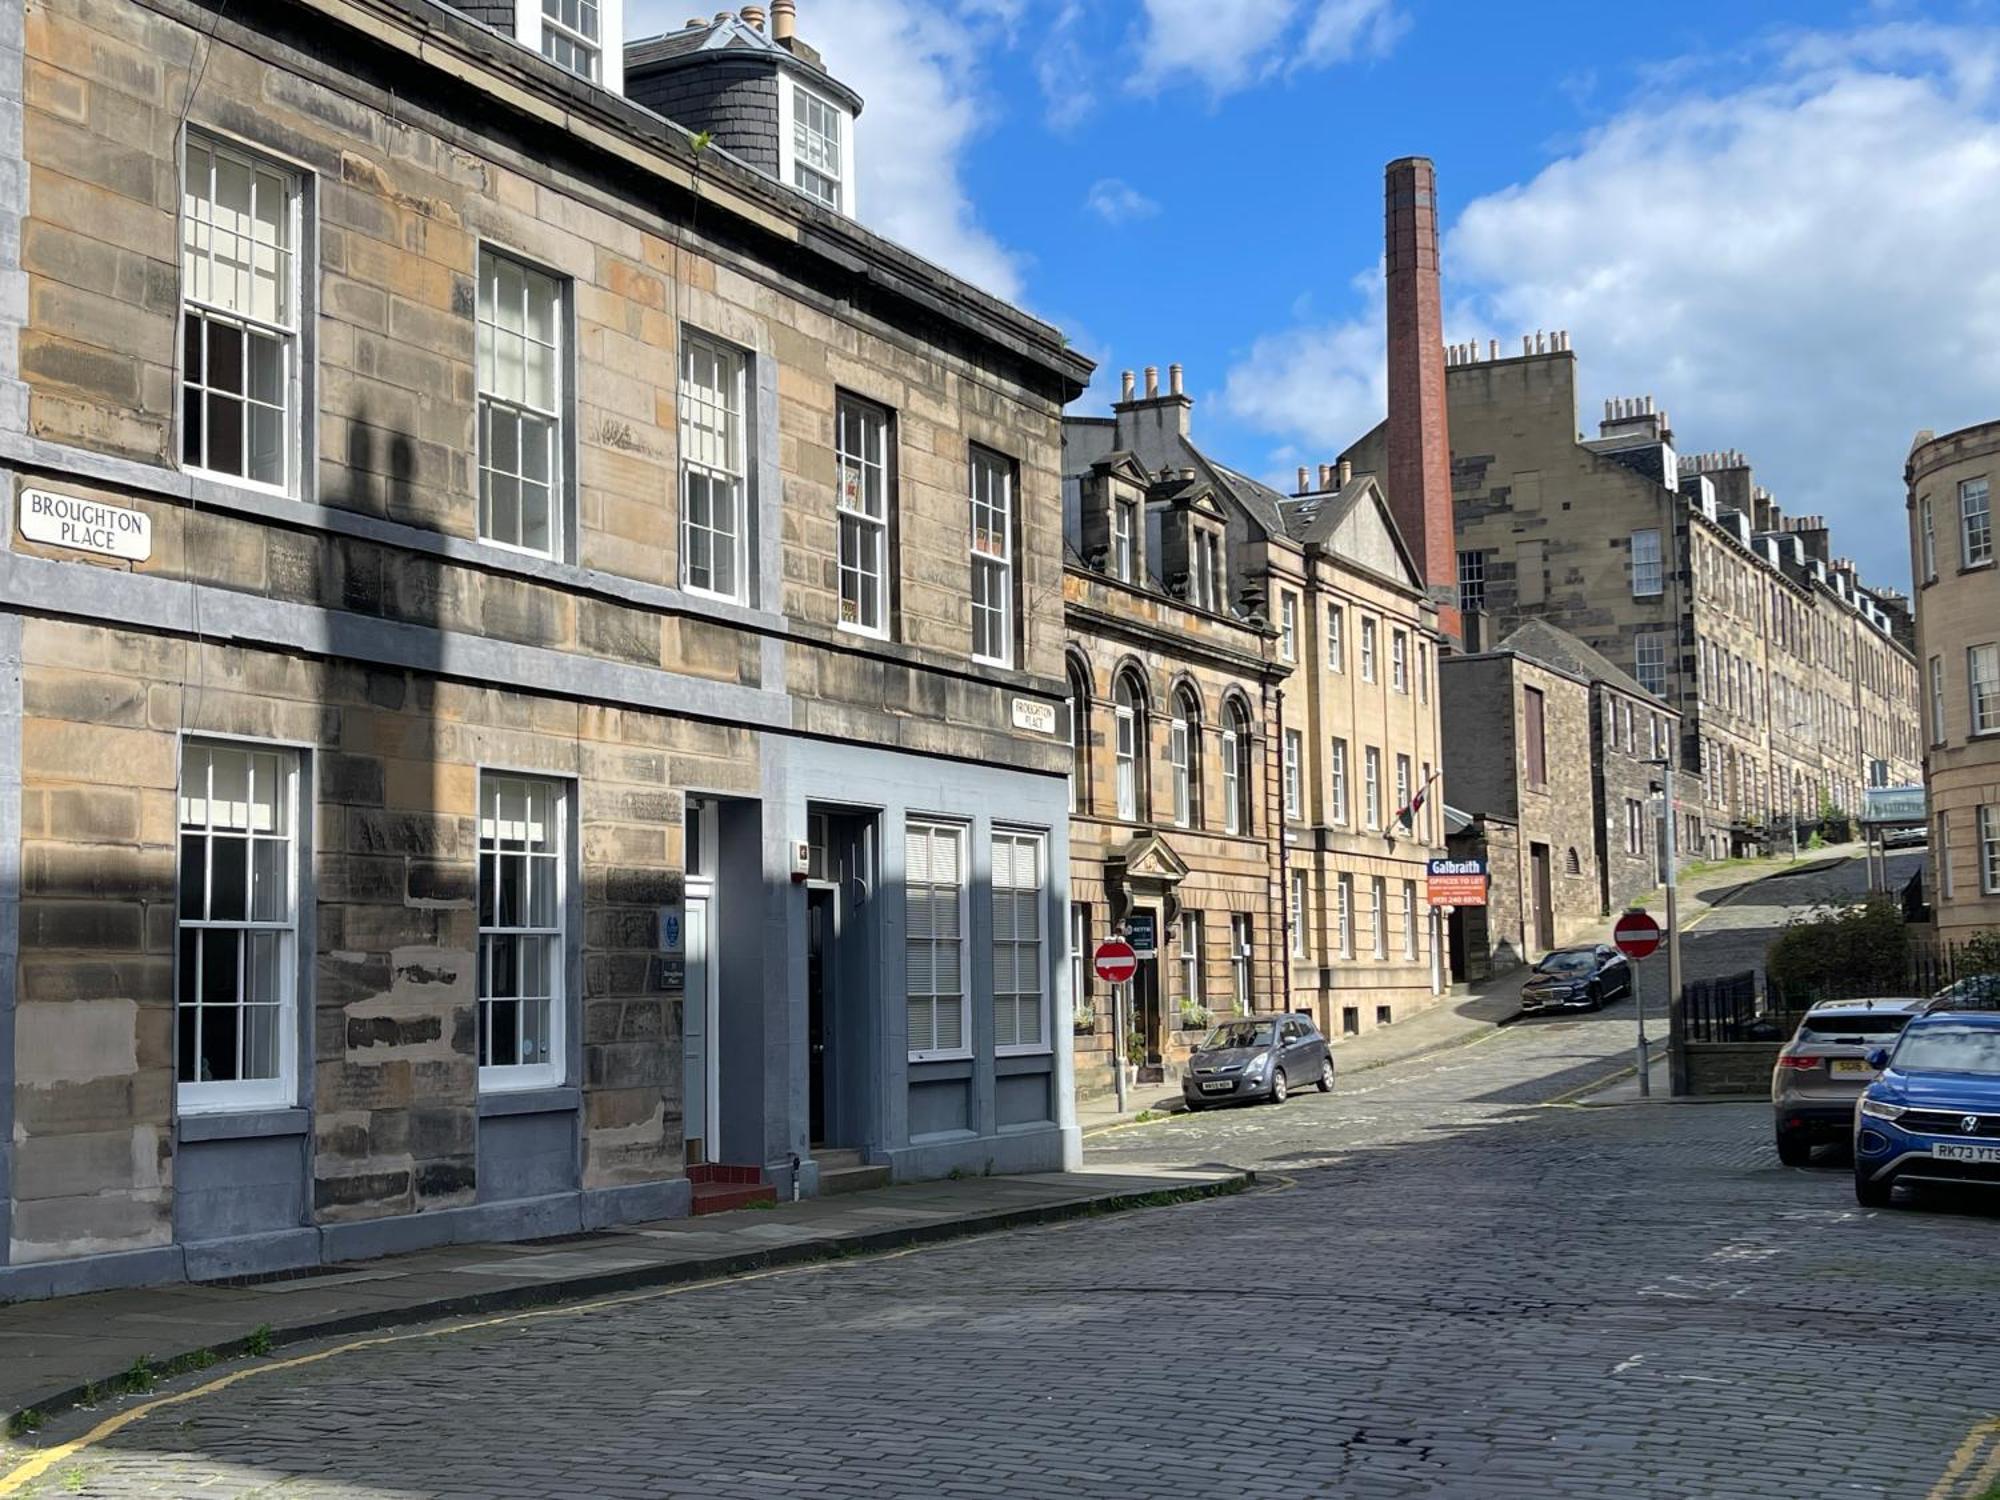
{"type": "Point", "coordinates": [1978, 567]}
{"type": "Point", "coordinates": [543, 1101]}
{"type": "Point", "coordinates": [241, 1124]}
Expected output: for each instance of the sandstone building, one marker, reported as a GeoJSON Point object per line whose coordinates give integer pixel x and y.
{"type": "Point", "coordinates": [533, 643]}
{"type": "Point", "coordinates": [1950, 480]}
{"type": "Point", "coordinates": [1793, 681]}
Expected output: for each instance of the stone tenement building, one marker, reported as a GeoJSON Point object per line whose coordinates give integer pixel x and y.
{"type": "Point", "coordinates": [1252, 675]}
{"type": "Point", "coordinates": [1794, 683]}
{"type": "Point", "coordinates": [533, 646]}
{"type": "Point", "coordinates": [1545, 736]}
{"type": "Point", "coordinates": [1950, 482]}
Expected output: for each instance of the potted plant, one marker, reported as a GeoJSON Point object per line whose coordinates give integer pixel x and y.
{"type": "Point", "coordinates": [1083, 1020]}
{"type": "Point", "coordinates": [1195, 1016]}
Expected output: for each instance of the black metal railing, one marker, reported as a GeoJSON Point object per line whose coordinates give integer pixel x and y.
{"type": "Point", "coordinates": [1721, 1010]}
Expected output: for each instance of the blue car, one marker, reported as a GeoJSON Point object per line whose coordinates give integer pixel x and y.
{"type": "Point", "coordinates": [1934, 1114]}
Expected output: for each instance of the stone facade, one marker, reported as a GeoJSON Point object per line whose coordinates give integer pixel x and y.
{"type": "Point", "coordinates": [1950, 480]}
{"type": "Point", "coordinates": [1792, 682]}
{"type": "Point", "coordinates": [352, 622]}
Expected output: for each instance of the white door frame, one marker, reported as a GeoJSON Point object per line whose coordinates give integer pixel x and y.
{"type": "Point", "coordinates": [701, 931]}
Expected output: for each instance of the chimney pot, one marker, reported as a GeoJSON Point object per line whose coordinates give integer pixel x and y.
{"type": "Point", "coordinates": [1174, 374]}
{"type": "Point", "coordinates": [1152, 381]}
{"type": "Point", "coordinates": [723, 15]}
{"type": "Point", "coordinates": [1493, 348]}
{"type": "Point", "coordinates": [784, 20]}
{"type": "Point", "coordinates": [1130, 384]}
{"type": "Point", "coordinates": [1325, 477]}
{"type": "Point", "coordinates": [753, 17]}
{"type": "Point", "coordinates": [1345, 473]}
{"type": "Point", "coordinates": [1304, 488]}
{"type": "Point", "coordinates": [1527, 343]}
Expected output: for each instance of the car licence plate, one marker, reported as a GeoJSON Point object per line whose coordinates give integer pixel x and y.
{"type": "Point", "coordinates": [1951, 1151]}
{"type": "Point", "coordinates": [1852, 1067]}
{"type": "Point", "coordinates": [1217, 1086]}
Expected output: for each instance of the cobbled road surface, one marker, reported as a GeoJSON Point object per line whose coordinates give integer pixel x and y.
{"type": "Point", "coordinates": [1446, 1285]}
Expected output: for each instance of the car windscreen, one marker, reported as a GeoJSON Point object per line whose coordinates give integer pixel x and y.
{"type": "Point", "coordinates": [1238, 1034]}
{"type": "Point", "coordinates": [1949, 1049]}
{"type": "Point", "coordinates": [1567, 963]}
{"type": "Point", "coordinates": [1834, 1026]}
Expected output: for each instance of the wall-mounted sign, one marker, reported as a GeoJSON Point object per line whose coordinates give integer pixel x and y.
{"type": "Point", "coordinates": [1456, 882]}
{"type": "Point", "coordinates": [1894, 804]}
{"type": "Point", "coordinates": [86, 525]}
{"type": "Point", "coordinates": [1036, 718]}
{"type": "Point", "coordinates": [673, 976]}
{"type": "Point", "coordinates": [1142, 932]}
{"type": "Point", "coordinates": [670, 929]}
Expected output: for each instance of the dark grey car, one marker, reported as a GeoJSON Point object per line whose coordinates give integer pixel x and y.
{"type": "Point", "coordinates": [1257, 1057]}
{"type": "Point", "coordinates": [1578, 978]}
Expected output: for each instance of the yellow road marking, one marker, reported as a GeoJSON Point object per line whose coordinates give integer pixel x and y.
{"type": "Point", "coordinates": [1961, 1463]}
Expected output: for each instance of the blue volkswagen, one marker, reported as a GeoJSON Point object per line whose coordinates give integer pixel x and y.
{"type": "Point", "coordinates": [1934, 1114]}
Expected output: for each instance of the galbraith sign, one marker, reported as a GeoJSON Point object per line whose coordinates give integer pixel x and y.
{"type": "Point", "coordinates": [1456, 882]}
{"type": "Point", "coordinates": [87, 525]}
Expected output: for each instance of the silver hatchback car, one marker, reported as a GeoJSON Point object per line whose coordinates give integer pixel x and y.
{"type": "Point", "coordinates": [1822, 1070]}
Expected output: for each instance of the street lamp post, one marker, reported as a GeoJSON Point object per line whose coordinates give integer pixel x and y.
{"type": "Point", "coordinates": [1676, 1047]}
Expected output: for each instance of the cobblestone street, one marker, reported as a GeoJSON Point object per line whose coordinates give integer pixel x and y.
{"type": "Point", "coordinates": [1445, 1286]}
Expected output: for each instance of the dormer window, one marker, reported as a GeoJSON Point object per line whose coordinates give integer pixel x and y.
{"type": "Point", "coordinates": [1124, 519]}
{"type": "Point", "coordinates": [572, 36]}
{"type": "Point", "coordinates": [818, 163]}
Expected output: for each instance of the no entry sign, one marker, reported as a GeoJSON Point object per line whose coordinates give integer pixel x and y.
{"type": "Point", "coordinates": [1636, 935]}
{"type": "Point", "coordinates": [1115, 961]}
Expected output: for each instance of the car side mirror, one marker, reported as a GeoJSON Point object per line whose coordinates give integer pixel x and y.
{"type": "Point", "coordinates": [1879, 1059]}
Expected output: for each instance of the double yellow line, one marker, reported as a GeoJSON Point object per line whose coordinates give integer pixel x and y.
{"type": "Point", "coordinates": [1974, 1469]}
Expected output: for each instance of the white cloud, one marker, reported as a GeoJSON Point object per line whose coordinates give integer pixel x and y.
{"type": "Point", "coordinates": [1227, 45]}
{"type": "Point", "coordinates": [1800, 267]}
{"type": "Point", "coordinates": [1116, 201]}
{"type": "Point", "coordinates": [1065, 70]}
{"type": "Point", "coordinates": [916, 65]}
{"type": "Point", "coordinates": [1321, 385]}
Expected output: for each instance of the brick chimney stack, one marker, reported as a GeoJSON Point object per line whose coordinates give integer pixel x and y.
{"type": "Point", "coordinates": [1419, 459]}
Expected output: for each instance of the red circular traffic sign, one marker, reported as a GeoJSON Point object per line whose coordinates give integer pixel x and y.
{"type": "Point", "coordinates": [1636, 935]}
{"type": "Point", "coordinates": [1115, 961]}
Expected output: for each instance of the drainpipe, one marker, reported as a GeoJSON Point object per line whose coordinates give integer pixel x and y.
{"type": "Point", "coordinates": [1284, 847]}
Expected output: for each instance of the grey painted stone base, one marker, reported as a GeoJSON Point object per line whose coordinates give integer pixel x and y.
{"type": "Point", "coordinates": [1017, 1149]}
{"type": "Point", "coordinates": [299, 1249]}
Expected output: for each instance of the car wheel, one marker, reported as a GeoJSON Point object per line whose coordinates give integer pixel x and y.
{"type": "Point", "coordinates": [1870, 1193]}
{"type": "Point", "coordinates": [1596, 995]}
{"type": "Point", "coordinates": [1794, 1150]}
{"type": "Point", "coordinates": [1278, 1087]}
{"type": "Point", "coordinates": [1193, 1106]}
{"type": "Point", "coordinates": [1326, 1076]}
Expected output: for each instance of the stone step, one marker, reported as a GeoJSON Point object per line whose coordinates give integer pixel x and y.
{"type": "Point", "coordinates": [836, 1158]}
{"type": "Point", "coordinates": [851, 1179]}
{"type": "Point", "coordinates": [721, 1197]}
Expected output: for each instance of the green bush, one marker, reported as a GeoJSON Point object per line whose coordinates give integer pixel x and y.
{"type": "Point", "coordinates": [1981, 955]}
{"type": "Point", "coordinates": [1863, 948]}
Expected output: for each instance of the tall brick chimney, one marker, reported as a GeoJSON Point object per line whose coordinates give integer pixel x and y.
{"type": "Point", "coordinates": [1419, 477]}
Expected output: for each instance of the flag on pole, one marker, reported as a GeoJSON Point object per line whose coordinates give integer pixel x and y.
{"type": "Point", "coordinates": [1407, 816]}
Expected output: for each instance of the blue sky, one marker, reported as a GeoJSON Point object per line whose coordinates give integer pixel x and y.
{"type": "Point", "coordinates": [1778, 219]}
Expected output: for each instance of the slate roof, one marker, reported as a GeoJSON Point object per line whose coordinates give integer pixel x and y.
{"type": "Point", "coordinates": [1540, 641]}
{"type": "Point", "coordinates": [1315, 518]}
{"type": "Point", "coordinates": [730, 35]}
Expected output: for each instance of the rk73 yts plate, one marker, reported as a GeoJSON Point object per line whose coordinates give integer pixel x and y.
{"type": "Point", "coordinates": [1951, 1151]}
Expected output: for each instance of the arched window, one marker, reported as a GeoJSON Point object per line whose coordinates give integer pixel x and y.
{"type": "Point", "coordinates": [1237, 792]}
{"type": "Point", "coordinates": [1079, 740]}
{"type": "Point", "coordinates": [1184, 751]}
{"type": "Point", "coordinates": [1128, 706]}
{"type": "Point", "coordinates": [1574, 863]}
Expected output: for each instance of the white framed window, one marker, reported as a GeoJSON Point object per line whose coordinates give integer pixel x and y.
{"type": "Point", "coordinates": [1288, 627]}
{"type": "Point", "coordinates": [1128, 719]}
{"type": "Point", "coordinates": [241, 410]}
{"type": "Point", "coordinates": [1208, 571]}
{"type": "Point", "coordinates": [1294, 789]}
{"type": "Point", "coordinates": [991, 542]}
{"type": "Point", "coordinates": [1399, 661]}
{"type": "Point", "coordinates": [1649, 658]}
{"type": "Point", "coordinates": [934, 939]}
{"type": "Point", "coordinates": [1403, 791]}
{"type": "Point", "coordinates": [1124, 520]}
{"type": "Point", "coordinates": [1989, 849]}
{"type": "Point", "coordinates": [1079, 740]}
{"type": "Point", "coordinates": [1410, 920]}
{"type": "Point", "coordinates": [1982, 681]}
{"type": "Point", "coordinates": [714, 469]}
{"type": "Point", "coordinates": [1646, 569]}
{"type": "Point", "coordinates": [1423, 672]}
{"type": "Point", "coordinates": [236, 950]}
{"type": "Point", "coordinates": [1927, 540]}
{"type": "Point", "coordinates": [1472, 580]}
{"type": "Point", "coordinates": [1020, 966]}
{"type": "Point", "coordinates": [572, 36]}
{"type": "Point", "coordinates": [1237, 781]}
{"type": "Point", "coordinates": [1191, 957]}
{"type": "Point", "coordinates": [1367, 650]}
{"type": "Point", "coordinates": [1338, 813]}
{"type": "Point", "coordinates": [1301, 914]}
{"type": "Point", "coordinates": [1240, 949]}
{"type": "Point", "coordinates": [1371, 786]}
{"type": "Point", "coordinates": [1080, 971]}
{"type": "Point", "coordinates": [1635, 826]}
{"type": "Point", "coordinates": [861, 505]}
{"type": "Point", "coordinates": [1178, 732]}
{"type": "Point", "coordinates": [1377, 915]}
{"type": "Point", "coordinates": [520, 405]}
{"type": "Point", "coordinates": [521, 915]}
{"type": "Point", "coordinates": [1343, 914]}
{"type": "Point", "coordinates": [819, 163]}
{"type": "Point", "coordinates": [1937, 701]}
{"type": "Point", "coordinates": [1975, 523]}
{"type": "Point", "coordinates": [1336, 638]}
